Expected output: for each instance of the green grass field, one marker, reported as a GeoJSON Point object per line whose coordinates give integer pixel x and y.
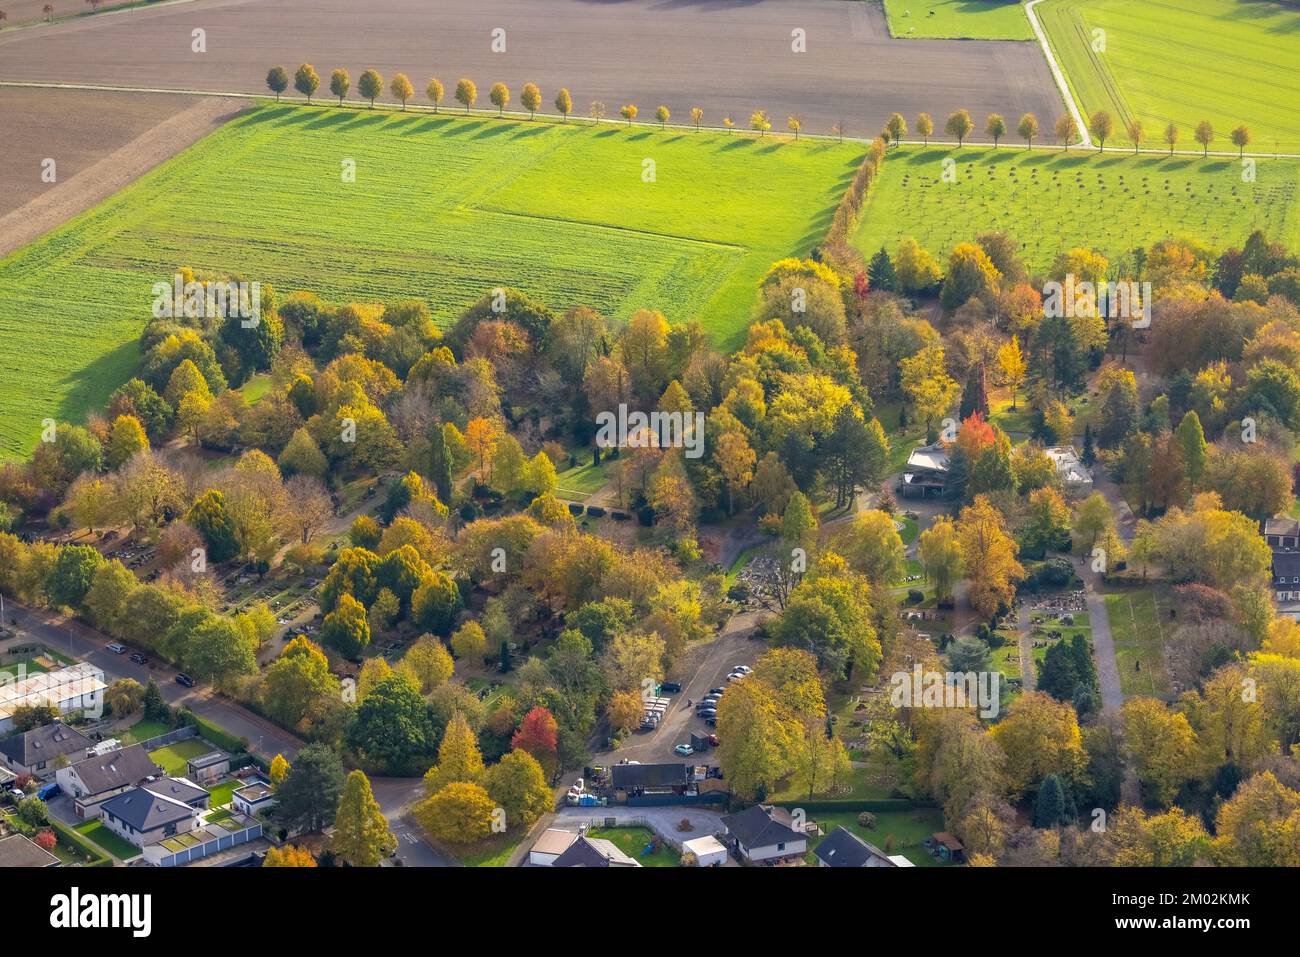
{"type": "Point", "coordinates": [444, 209]}
{"type": "Point", "coordinates": [896, 832]}
{"type": "Point", "coordinates": [98, 834]}
{"type": "Point", "coordinates": [1136, 619]}
{"type": "Point", "coordinates": [1182, 61]}
{"type": "Point", "coordinates": [958, 19]}
{"type": "Point", "coordinates": [1052, 200]}
{"type": "Point", "coordinates": [173, 758]}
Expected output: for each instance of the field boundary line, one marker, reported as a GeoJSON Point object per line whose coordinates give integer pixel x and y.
{"type": "Point", "coordinates": [261, 98]}
{"type": "Point", "coordinates": [1057, 74]}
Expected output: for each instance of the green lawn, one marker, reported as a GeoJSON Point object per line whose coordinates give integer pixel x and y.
{"type": "Point", "coordinates": [633, 841]}
{"type": "Point", "coordinates": [896, 832]}
{"type": "Point", "coordinates": [493, 852]}
{"type": "Point", "coordinates": [958, 19]}
{"type": "Point", "coordinates": [142, 731]}
{"type": "Point", "coordinates": [98, 834]}
{"type": "Point", "coordinates": [1053, 200]}
{"type": "Point", "coordinates": [1136, 624]}
{"type": "Point", "coordinates": [443, 208]}
{"type": "Point", "coordinates": [1182, 61]}
{"type": "Point", "coordinates": [172, 759]}
{"type": "Point", "coordinates": [256, 388]}
{"type": "Point", "coordinates": [220, 795]}
{"type": "Point", "coordinates": [584, 479]}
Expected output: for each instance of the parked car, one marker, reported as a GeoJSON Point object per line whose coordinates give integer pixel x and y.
{"type": "Point", "coordinates": [735, 676]}
{"type": "Point", "coordinates": [685, 750]}
{"type": "Point", "coordinates": [185, 680]}
{"type": "Point", "coordinates": [743, 669]}
{"type": "Point", "coordinates": [116, 648]}
{"type": "Point", "coordinates": [711, 720]}
{"type": "Point", "coordinates": [670, 687]}
{"type": "Point", "coordinates": [717, 691]}
{"type": "Point", "coordinates": [139, 659]}
{"type": "Point", "coordinates": [707, 713]}
{"type": "Point", "coordinates": [711, 738]}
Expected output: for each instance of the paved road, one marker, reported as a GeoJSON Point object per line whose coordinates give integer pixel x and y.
{"type": "Point", "coordinates": [395, 797]}
{"type": "Point", "coordinates": [729, 57]}
{"type": "Point", "coordinates": [1103, 645]}
{"type": "Point", "coordinates": [86, 644]}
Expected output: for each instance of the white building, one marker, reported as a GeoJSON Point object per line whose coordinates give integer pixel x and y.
{"type": "Point", "coordinates": [76, 688]}
{"type": "Point", "coordinates": [1074, 475]}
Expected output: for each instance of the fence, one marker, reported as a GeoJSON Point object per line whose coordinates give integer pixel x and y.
{"type": "Point", "coordinates": [171, 737]}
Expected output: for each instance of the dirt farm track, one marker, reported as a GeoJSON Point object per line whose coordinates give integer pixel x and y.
{"type": "Point", "coordinates": [729, 57]}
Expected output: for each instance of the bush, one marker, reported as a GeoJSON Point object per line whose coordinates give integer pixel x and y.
{"type": "Point", "coordinates": [915, 596]}
{"type": "Point", "coordinates": [619, 516]}
{"type": "Point", "coordinates": [867, 820]}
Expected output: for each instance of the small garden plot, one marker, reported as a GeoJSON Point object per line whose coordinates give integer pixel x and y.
{"type": "Point", "coordinates": [639, 843]}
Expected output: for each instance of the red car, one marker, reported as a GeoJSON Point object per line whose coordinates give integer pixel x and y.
{"type": "Point", "coordinates": [711, 738]}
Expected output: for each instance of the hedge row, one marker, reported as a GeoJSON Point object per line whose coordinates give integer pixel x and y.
{"type": "Point", "coordinates": [97, 856]}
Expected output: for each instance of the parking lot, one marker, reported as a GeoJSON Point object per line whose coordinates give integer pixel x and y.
{"type": "Point", "coordinates": [704, 666]}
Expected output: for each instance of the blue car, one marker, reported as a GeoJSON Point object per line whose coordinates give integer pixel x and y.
{"type": "Point", "coordinates": [48, 791]}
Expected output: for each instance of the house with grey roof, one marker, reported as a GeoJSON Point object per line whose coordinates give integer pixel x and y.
{"type": "Point", "coordinates": [843, 848]}
{"type": "Point", "coordinates": [764, 834]}
{"type": "Point", "coordinates": [593, 852]}
{"type": "Point", "coordinates": [19, 851]}
{"type": "Point", "coordinates": [36, 752]}
{"type": "Point", "coordinates": [154, 811]}
{"type": "Point", "coordinates": [94, 779]}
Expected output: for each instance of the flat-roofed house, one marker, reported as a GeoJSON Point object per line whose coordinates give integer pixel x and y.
{"type": "Point", "coordinates": [926, 474]}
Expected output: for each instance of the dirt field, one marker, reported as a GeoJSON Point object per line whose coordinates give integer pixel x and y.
{"type": "Point", "coordinates": [32, 11]}
{"type": "Point", "coordinates": [100, 142]}
{"type": "Point", "coordinates": [728, 56]}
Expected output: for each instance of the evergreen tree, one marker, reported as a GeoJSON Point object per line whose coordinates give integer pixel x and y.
{"type": "Point", "coordinates": [1049, 807]}
{"type": "Point", "coordinates": [975, 395]}
{"type": "Point", "coordinates": [440, 463]}
{"type": "Point", "coordinates": [1089, 451]}
{"type": "Point", "coordinates": [880, 272]}
{"type": "Point", "coordinates": [155, 708]}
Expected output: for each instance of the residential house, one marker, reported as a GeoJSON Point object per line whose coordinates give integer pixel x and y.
{"type": "Point", "coordinates": [593, 852]}
{"type": "Point", "coordinates": [926, 475]}
{"type": "Point", "coordinates": [843, 848]}
{"type": "Point", "coordinates": [100, 776]}
{"type": "Point", "coordinates": [77, 689]}
{"type": "Point", "coordinates": [36, 752]}
{"type": "Point", "coordinates": [763, 834]}
{"type": "Point", "coordinates": [19, 851]}
{"type": "Point", "coordinates": [1075, 477]}
{"type": "Point", "coordinates": [155, 810]}
{"type": "Point", "coordinates": [1282, 534]}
